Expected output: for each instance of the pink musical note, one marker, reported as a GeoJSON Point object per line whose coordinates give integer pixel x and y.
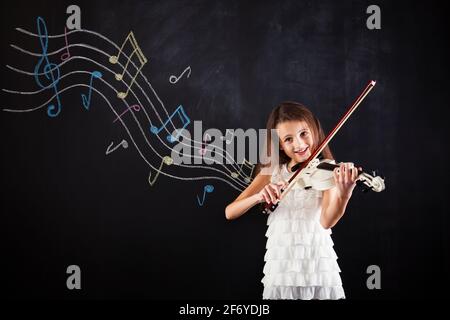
{"type": "Point", "coordinates": [135, 107]}
{"type": "Point", "coordinates": [65, 55]}
{"type": "Point", "coordinates": [206, 140]}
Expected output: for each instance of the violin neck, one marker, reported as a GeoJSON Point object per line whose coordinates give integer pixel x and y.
{"type": "Point", "coordinates": [365, 180]}
{"type": "Point", "coordinates": [330, 166]}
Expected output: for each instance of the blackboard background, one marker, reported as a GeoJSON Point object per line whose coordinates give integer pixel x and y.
{"type": "Point", "coordinates": [64, 202]}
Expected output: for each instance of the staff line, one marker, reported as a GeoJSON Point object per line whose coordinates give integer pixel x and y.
{"type": "Point", "coordinates": [137, 122]}
{"type": "Point", "coordinates": [140, 73]}
{"type": "Point", "coordinates": [232, 162]}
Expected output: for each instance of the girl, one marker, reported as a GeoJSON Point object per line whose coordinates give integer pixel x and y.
{"type": "Point", "coordinates": [300, 262]}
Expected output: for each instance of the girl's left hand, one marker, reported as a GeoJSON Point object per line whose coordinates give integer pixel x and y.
{"type": "Point", "coordinates": [345, 179]}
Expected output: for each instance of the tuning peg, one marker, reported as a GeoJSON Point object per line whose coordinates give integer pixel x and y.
{"type": "Point", "coordinates": [375, 173]}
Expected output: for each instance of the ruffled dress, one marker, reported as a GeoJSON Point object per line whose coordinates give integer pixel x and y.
{"type": "Point", "coordinates": [300, 262]}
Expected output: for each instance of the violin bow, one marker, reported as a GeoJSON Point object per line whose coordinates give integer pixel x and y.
{"type": "Point", "coordinates": [270, 207]}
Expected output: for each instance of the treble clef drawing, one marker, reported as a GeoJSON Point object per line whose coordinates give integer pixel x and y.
{"type": "Point", "coordinates": [50, 70]}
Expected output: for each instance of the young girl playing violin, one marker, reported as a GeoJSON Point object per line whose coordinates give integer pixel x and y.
{"type": "Point", "coordinates": [300, 262]}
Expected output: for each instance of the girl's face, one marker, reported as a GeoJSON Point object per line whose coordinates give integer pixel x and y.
{"type": "Point", "coordinates": [296, 140]}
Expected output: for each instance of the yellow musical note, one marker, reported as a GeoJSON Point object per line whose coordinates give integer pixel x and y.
{"type": "Point", "coordinates": [166, 160]}
{"type": "Point", "coordinates": [136, 51]}
{"type": "Point", "coordinates": [124, 144]}
{"type": "Point", "coordinates": [247, 165]}
{"type": "Point", "coordinates": [250, 166]}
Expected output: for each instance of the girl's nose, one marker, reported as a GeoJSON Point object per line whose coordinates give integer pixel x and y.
{"type": "Point", "coordinates": [298, 142]}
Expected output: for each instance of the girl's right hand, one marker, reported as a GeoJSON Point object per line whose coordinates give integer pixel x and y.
{"type": "Point", "coordinates": [271, 193]}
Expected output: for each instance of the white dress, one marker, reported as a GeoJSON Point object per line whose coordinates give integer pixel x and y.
{"type": "Point", "coordinates": [300, 262]}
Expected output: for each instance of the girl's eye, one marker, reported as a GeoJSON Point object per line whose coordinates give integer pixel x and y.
{"type": "Point", "coordinates": [304, 133]}
{"type": "Point", "coordinates": [288, 140]}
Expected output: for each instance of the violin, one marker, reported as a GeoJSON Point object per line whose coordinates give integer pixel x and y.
{"type": "Point", "coordinates": [318, 174]}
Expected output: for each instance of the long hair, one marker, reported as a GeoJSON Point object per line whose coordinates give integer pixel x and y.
{"type": "Point", "coordinates": [294, 111]}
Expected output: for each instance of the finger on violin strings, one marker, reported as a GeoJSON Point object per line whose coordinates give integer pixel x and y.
{"type": "Point", "coordinates": [338, 169]}
{"type": "Point", "coordinates": [354, 174]}
{"type": "Point", "coordinates": [341, 169]}
{"type": "Point", "coordinates": [337, 175]}
{"type": "Point", "coordinates": [346, 173]}
{"type": "Point", "coordinates": [349, 169]}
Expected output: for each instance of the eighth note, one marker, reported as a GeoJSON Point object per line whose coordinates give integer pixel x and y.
{"type": "Point", "coordinates": [184, 119]}
{"type": "Point", "coordinates": [65, 55]}
{"type": "Point", "coordinates": [206, 140]}
{"type": "Point", "coordinates": [247, 176]}
{"type": "Point", "coordinates": [166, 160]}
{"type": "Point", "coordinates": [173, 79]}
{"type": "Point", "coordinates": [124, 144]}
{"type": "Point", "coordinates": [208, 188]}
{"type": "Point", "coordinates": [87, 100]}
{"type": "Point", "coordinates": [135, 107]}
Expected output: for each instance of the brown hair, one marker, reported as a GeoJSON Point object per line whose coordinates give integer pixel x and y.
{"type": "Point", "coordinates": [294, 111]}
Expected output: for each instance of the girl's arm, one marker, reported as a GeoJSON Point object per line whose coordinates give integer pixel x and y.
{"type": "Point", "coordinates": [258, 191]}
{"type": "Point", "coordinates": [335, 199]}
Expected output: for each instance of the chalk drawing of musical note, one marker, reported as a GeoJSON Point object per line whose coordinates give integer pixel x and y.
{"type": "Point", "coordinates": [136, 51]}
{"type": "Point", "coordinates": [50, 70]}
{"type": "Point", "coordinates": [249, 166]}
{"type": "Point", "coordinates": [65, 55]}
{"type": "Point", "coordinates": [184, 119]}
{"type": "Point", "coordinates": [173, 79]}
{"type": "Point", "coordinates": [87, 100]}
{"type": "Point", "coordinates": [206, 189]}
{"type": "Point", "coordinates": [124, 144]}
{"type": "Point", "coordinates": [135, 107]}
{"type": "Point", "coordinates": [228, 136]}
{"type": "Point", "coordinates": [206, 140]}
{"type": "Point", "coordinates": [166, 160]}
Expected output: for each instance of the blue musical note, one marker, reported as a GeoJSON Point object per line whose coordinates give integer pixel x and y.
{"type": "Point", "coordinates": [184, 119]}
{"type": "Point", "coordinates": [208, 188]}
{"type": "Point", "coordinates": [87, 101]}
{"type": "Point", "coordinates": [48, 68]}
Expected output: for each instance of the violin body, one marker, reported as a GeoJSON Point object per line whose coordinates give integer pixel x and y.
{"type": "Point", "coordinates": [318, 179]}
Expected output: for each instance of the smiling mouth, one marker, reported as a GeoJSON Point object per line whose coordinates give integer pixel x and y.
{"type": "Point", "coordinates": [301, 152]}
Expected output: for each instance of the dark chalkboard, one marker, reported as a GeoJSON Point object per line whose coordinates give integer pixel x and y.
{"type": "Point", "coordinates": [65, 201]}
